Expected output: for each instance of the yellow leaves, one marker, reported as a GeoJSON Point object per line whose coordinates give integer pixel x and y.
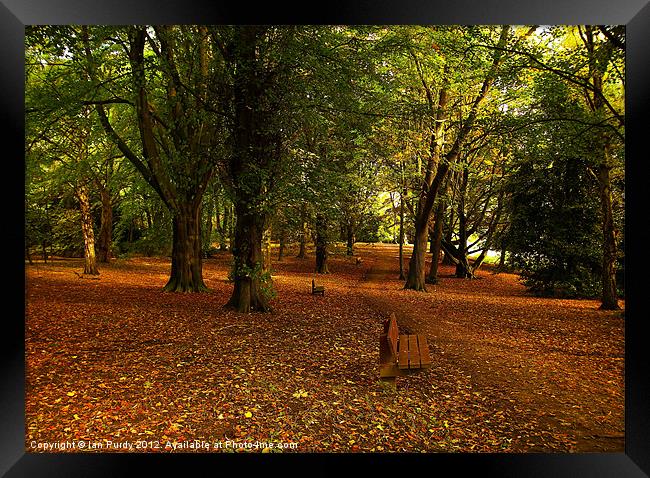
{"type": "Point", "coordinates": [300, 394]}
{"type": "Point", "coordinates": [248, 414]}
{"type": "Point", "coordinates": [71, 394]}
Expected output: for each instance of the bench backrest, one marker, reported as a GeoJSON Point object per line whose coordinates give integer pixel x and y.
{"type": "Point", "coordinates": [392, 332]}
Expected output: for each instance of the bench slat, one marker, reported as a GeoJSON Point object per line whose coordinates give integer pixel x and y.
{"type": "Point", "coordinates": [425, 358]}
{"type": "Point", "coordinates": [414, 353]}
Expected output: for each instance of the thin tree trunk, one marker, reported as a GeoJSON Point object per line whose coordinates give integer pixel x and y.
{"type": "Point", "coordinates": [609, 291]}
{"type": "Point", "coordinates": [502, 256]}
{"type": "Point", "coordinates": [282, 245]}
{"type": "Point", "coordinates": [207, 232]}
{"type": "Point", "coordinates": [321, 245]}
{"type": "Point", "coordinates": [349, 232]}
{"type": "Point", "coordinates": [401, 234]}
{"type": "Point", "coordinates": [463, 269]}
{"type": "Point", "coordinates": [90, 264]}
{"type": "Point", "coordinates": [597, 66]}
{"type": "Point", "coordinates": [27, 254]}
{"type": "Point", "coordinates": [436, 242]}
{"type": "Point", "coordinates": [303, 232]}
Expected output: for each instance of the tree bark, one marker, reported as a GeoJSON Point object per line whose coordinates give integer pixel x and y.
{"type": "Point", "coordinates": [463, 269]}
{"type": "Point", "coordinates": [436, 242]}
{"type": "Point", "coordinates": [321, 244]}
{"type": "Point", "coordinates": [401, 234]}
{"type": "Point", "coordinates": [349, 232]}
{"type": "Point", "coordinates": [609, 297]}
{"type": "Point", "coordinates": [247, 295]}
{"type": "Point", "coordinates": [303, 232]}
{"type": "Point", "coordinates": [90, 260]}
{"type": "Point", "coordinates": [281, 246]}
{"type": "Point", "coordinates": [186, 270]}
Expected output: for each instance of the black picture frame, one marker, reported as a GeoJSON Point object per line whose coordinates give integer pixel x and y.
{"type": "Point", "coordinates": [15, 14]}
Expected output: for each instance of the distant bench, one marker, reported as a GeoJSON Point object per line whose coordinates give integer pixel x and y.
{"type": "Point", "coordinates": [401, 355]}
{"type": "Point", "coordinates": [317, 289]}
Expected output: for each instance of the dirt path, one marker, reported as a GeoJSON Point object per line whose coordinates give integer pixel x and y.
{"type": "Point", "coordinates": [551, 369]}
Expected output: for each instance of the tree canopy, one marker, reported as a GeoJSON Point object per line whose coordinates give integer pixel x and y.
{"type": "Point", "coordinates": [182, 140]}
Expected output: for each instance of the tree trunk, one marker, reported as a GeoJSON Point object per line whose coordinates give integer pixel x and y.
{"type": "Point", "coordinates": [502, 256]}
{"type": "Point", "coordinates": [27, 254]}
{"type": "Point", "coordinates": [186, 270]}
{"type": "Point", "coordinates": [463, 269]}
{"type": "Point", "coordinates": [436, 242]}
{"type": "Point", "coordinates": [416, 273]}
{"type": "Point", "coordinates": [609, 293]}
{"type": "Point", "coordinates": [303, 241]}
{"type": "Point", "coordinates": [225, 229]}
{"type": "Point", "coordinates": [248, 295]}
{"type": "Point", "coordinates": [401, 235]}
{"type": "Point", "coordinates": [598, 60]}
{"type": "Point", "coordinates": [321, 245]}
{"type": "Point", "coordinates": [281, 246]}
{"type": "Point", "coordinates": [90, 264]}
{"type": "Point", "coordinates": [106, 227]}
{"type": "Point", "coordinates": [303, 232]}
{"type": "Point", "coordinates": [349, 232]}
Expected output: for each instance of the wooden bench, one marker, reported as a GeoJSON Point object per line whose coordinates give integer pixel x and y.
{"type": "Point", "coordinates": [317, 289]}
{"type": "Point", "coordinates": [401, 355]}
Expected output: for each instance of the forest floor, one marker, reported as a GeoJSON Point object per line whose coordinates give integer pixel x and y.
{"type": "Point", "coordinates": [123, 366]}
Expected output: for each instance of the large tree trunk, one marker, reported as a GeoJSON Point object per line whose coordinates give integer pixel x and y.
{"type": "Point", "coordinates": [416, 272]}
{"type": "Point", "coordinates": [247, 295]}
{"type": "Point", "coordinates": [321, 244]}
{"type": "Point", "coordinates": [90, 264]}
{"type": "Point", "coordinates": [106, 227]}
{"type": "Point", "coordinates": [186, 270]}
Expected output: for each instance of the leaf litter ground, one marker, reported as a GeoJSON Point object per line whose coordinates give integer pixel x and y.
{"type": "Point", "coordinates": [118, 360]}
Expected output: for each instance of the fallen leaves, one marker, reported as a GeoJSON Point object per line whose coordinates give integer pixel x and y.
{"type": "Point", "coordinates": [118, 359]}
